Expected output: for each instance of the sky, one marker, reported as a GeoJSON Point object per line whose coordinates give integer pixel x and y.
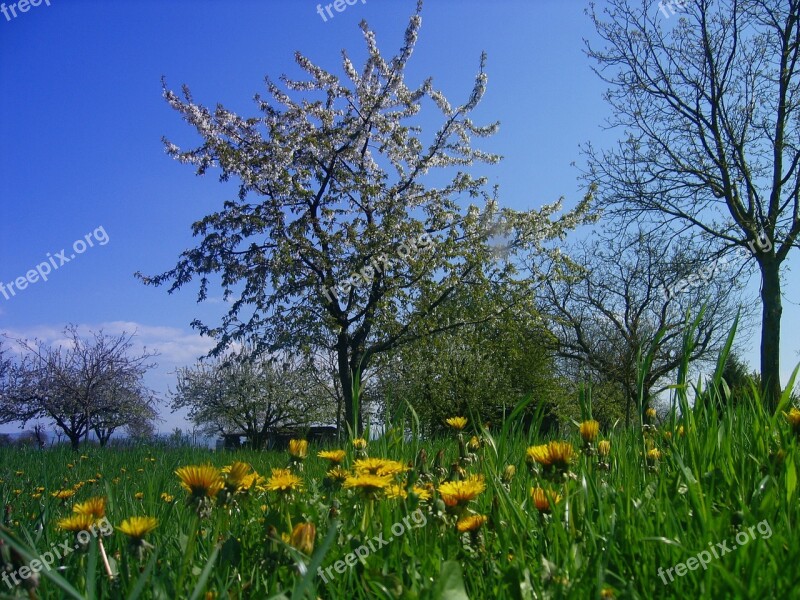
{"type": "Point", "coordinates": [82, 117]}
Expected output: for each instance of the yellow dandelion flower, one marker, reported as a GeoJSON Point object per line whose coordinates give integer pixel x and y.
{"type": "Point", "coordinates": [459, 493]}
{"type": "Point", "coordinates": [793, 418]}
{"type": "Point", "coordinates": [167, 497]}
{"type": "Point", "coordinates": [303, 537]}
{"type": "Point", "coordinates": [298, 449]}
{"type": "Point", "coordinates": [334, 456]}
{"type": "Point", "coordinates": [471, 523]}
{"type": "Point", "coordinates": [139, 495]}
{"type": "Point", "coordinates": [379, 466]}
{"type": "Point", "coordinates": [423, 493]}
{"type": "Point", "coordinates": [137, 527]}
{"type": "Point", "coordinates": [253, 481]}
{"type": "Point", "coordinates": [457, 423]}
{"type": "Point", "coordinates": [63, 494]}
{"type": "Point", "coordinates": [76, 522]}
{"type": "Point", "coordinates": [283, 481]}
{"type": "Point", "coordinates": [604, 448]}
{"type": "Point", "coordinates": [94, 507]}
{"type": "Point", "coordinates": [650, 413]}
{"type": "Point", "coordinates": [474, 443]}
{"type": "Point", "coordinates": [554, 454]}
{"type": "Point", "coordinates": [337, 474]}
{"type": "Point", "coordinates": [681, 431]}
{"type": "Point", "coordinates": [544, 499]}
{"type": "Point", "coordinates": [235, 475]}
{"type": "Point", "coordinates": [396, 492]}
{"type": "Point", "coordinates": [201, 481]}
{"type": "Point", "coordinates": [589, 431]}
{"type": "Point", "coordinates": [653, 455]}
{"type": "Point", "coordinates": [367, 483]}
{"type": "Point", "coordinates": [539, 454]}
{"type": "Point", "coordinates": [359, 443]}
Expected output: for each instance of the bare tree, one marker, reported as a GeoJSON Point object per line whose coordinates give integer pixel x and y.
{"type": "Point", "coordinates": [708, 103]}
{"type": "Point", "coordinates": [78, 385]}
{"type": "Point", "coordinates": [622, 292]}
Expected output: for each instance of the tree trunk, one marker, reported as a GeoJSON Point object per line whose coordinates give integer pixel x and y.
{"type": "Point", "coordinates": [75, 440]}
{"type": "Point", "coordinates": [770, 332]}
{"type": "Point", "coordinates": [346, 381]}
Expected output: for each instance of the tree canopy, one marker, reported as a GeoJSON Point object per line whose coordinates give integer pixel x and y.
{"type": "Point", "coordinates": [340, 191]}
{"type": "Point", "coordinates": [707, 106]}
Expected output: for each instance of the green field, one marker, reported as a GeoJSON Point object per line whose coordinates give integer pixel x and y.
{"type": "Point", "coordinates": [713, 480]}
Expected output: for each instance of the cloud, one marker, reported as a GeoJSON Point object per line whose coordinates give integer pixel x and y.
{"type": "Point", "coordinates": [176, 347]}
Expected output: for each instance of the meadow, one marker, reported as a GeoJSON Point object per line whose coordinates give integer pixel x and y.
{"type": "Point", "coordinates": [696, 503]}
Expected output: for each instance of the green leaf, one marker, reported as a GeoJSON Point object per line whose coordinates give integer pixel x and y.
{"type": "Point", "coordinates": [791, 479]}
{"type": "Point", "coordinates": [451, 582]}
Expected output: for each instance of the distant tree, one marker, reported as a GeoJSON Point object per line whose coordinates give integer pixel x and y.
{"type": "Point", "coordinates": [237, 394]}
{"type": "Point", "coordinates": [620, 294]}
{"type": "Point", "coordinates": [482, 370]}
{"type": "Point", "coordinates": [738, 378]}
{"type": "Point", "coordinates": [141, 430]}
{"type": "Point", "coordinates": [80, 385]}
{"type": "Point", "coordinates": [124, 405]}
{"type": "Point", "coordinates": [708, 106]}
{"type": "Point", "coordinates": [347, 227]}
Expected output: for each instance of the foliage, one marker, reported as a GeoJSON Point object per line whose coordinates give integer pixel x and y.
{"type": "Point", "coordinates": [482, 369]}
{"type": "Point", "coordinates": [348, 234]}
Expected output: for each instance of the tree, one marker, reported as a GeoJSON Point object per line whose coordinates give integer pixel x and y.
{"type": "Point", "coordinates": [124, 404]}
{"type": "Point", "coordinates": [80, 385]}
{"type": "Point", "coordinates": [708, 103]}
{"type": "Point", "coordinates": [621, 293]}
{"type": "Point", "coordinates": [340, 238]}
{"type": "Point", "coordinates": [5, 370]}
{"type": "Point", "coordinates": [738, 379]}
{"type": "Point", "coordinates": [481, 370]}
{"type": "Point", "coordinates": [237, 394]}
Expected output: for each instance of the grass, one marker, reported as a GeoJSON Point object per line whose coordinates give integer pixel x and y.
{"type": "Point", "coordinates": [614, 527]}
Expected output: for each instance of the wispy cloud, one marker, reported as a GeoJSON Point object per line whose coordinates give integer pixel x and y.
{"type": "Point", "coordinates": [176, 347]}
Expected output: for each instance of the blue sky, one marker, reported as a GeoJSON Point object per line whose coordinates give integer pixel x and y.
{"type": "Point", "coordinates": [82, 117]}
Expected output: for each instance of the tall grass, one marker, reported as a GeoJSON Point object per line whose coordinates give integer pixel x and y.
{"type": "Point", "coordinates": [720, 472]}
